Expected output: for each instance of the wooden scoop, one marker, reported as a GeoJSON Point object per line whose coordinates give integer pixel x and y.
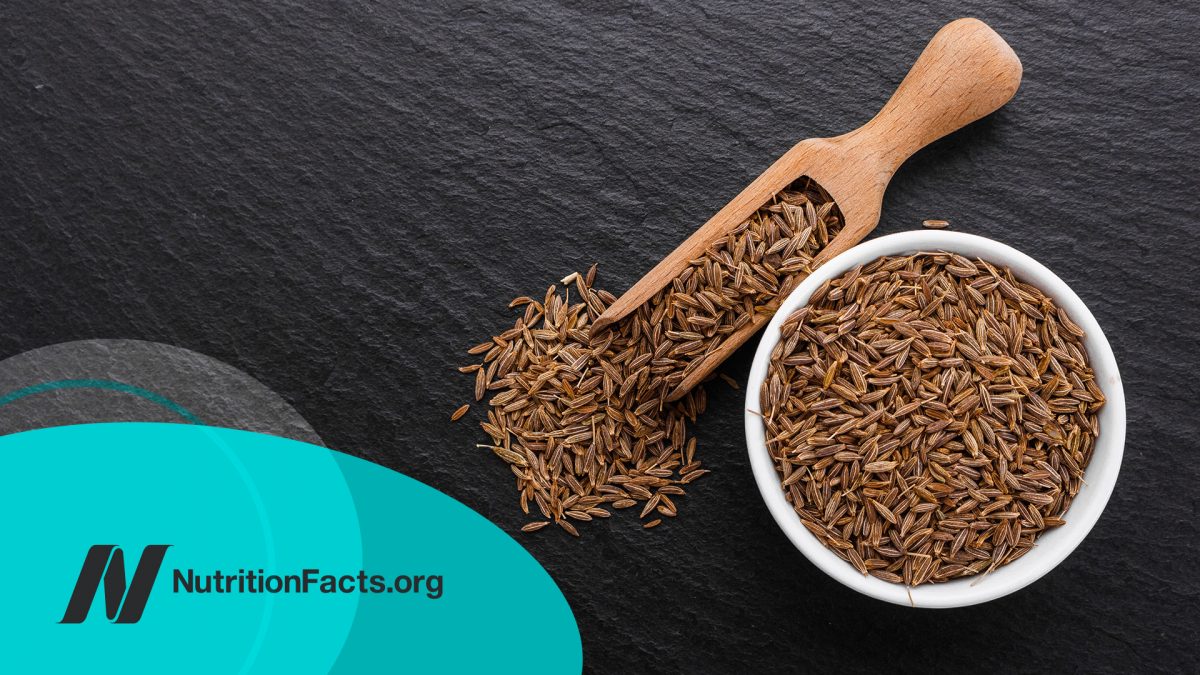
{"type": "Point", "coordinates": [965, 72]}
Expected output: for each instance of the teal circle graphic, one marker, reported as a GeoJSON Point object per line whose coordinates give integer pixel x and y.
{"type": "Point", "coordinates": [232, 501]}
{"type": "Point", "coordinates": [101, 384]}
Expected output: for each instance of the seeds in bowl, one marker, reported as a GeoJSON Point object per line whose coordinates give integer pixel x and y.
{"type": "Point", "coordinates": [583, 420]}
{"type": "Point", "coordinates": [930, 416]}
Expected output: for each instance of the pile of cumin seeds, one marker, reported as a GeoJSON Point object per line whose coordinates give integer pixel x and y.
{"type": "Point", "coordinates": [930, 416]}
{"type": "Point", "coordinates": [582, 420]}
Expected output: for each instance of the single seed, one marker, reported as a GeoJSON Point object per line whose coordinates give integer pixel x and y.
{"type": "Point", "coordinates": [481, 348]}
{"type": "Point", "coordinates": [462, 410]}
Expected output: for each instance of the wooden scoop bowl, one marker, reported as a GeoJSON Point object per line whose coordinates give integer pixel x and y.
{"type": "Point", "coordinates": [965, 72]}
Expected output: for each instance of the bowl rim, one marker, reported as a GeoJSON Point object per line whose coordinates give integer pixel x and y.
{"type": "Point", "coordinates": [1063, 539]}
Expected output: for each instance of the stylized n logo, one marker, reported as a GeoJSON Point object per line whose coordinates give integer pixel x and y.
{"type": "Point", "coordinates": [107, 562]}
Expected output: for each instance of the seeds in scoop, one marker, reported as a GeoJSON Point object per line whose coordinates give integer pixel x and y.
{"type": "Point", "coordinates": [955, 428]}
{"type": "Point", "coordinates": [457, 415]}
{"type": "Point", "coordinates": [583, 419]}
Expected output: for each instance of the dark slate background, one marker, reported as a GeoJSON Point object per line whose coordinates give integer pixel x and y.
{"type": "Point", "coordinates": [339, 197]}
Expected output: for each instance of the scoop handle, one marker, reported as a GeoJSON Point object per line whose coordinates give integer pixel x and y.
{"type": "Point", "coordinates": [966, 72]}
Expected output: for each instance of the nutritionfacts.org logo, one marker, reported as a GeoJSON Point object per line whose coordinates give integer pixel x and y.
{"type": "Point", "coordinates": [104, 571]}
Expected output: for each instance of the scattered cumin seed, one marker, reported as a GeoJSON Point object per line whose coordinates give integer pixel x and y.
{"type": "Point", "coordinates": [481, 382]}
{"type": "Point", "coordinates": [534, 526]}
{"type": "Point", "coordinates": [653, 523]}
{"type": "Point", "coordinates": [462, 410]}
{"type": "Point", "coordinates": [730, 381]}
{"type": "Point", "coordinates": [936, 224]}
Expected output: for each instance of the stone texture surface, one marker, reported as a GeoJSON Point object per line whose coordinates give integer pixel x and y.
{"type": "Point", "coordinates": [161, 383]}
{"type": "Point", "coordinates": [338, 198]}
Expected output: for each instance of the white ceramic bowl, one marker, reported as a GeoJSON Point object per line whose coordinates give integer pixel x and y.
{"type": "Point", "coordinates": [1053, 546]}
